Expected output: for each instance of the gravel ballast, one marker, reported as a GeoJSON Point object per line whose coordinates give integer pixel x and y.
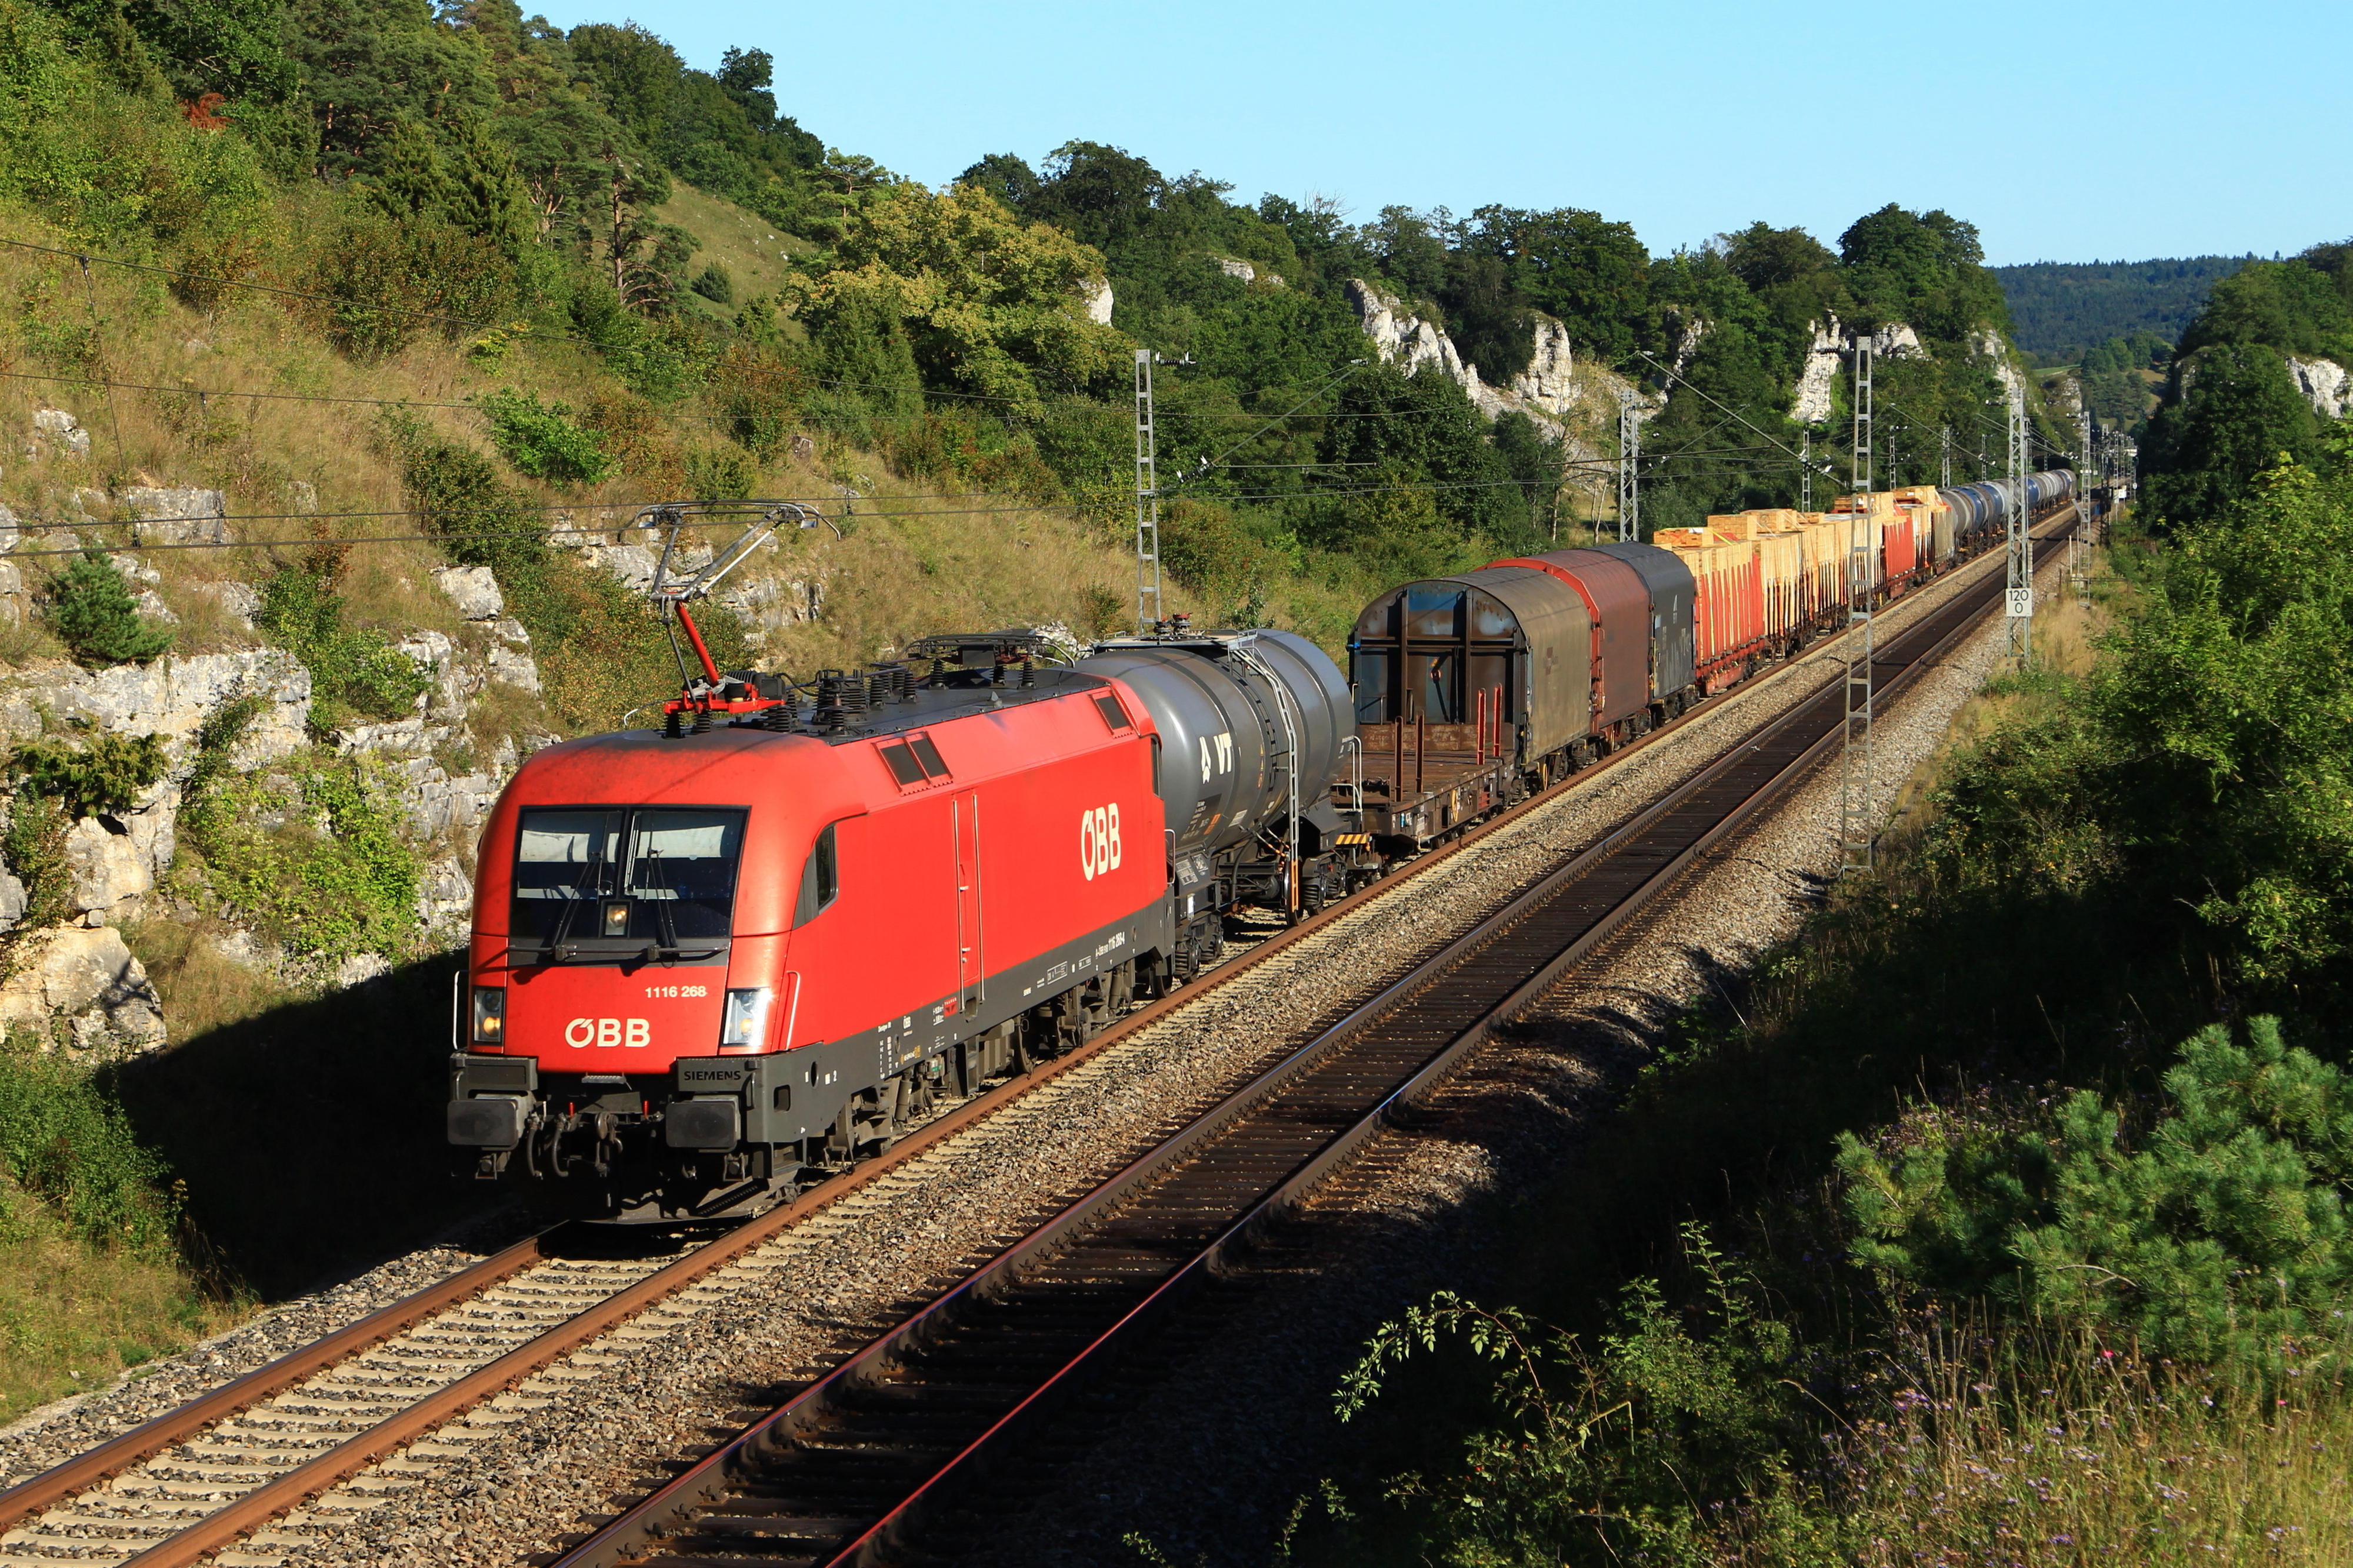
{"type": "Point", "coordinates": [1208, 1465]}
{"type": "Point", "coordinates": [522, 1471]}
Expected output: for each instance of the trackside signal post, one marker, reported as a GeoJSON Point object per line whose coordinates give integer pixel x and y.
{"type": "Point", "coordinates": [1856, 830]}
{"type": "Point", "coordinates": [1147, 502]}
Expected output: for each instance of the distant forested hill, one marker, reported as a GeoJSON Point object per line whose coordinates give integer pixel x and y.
{"type": "Point", "coordinates": [2060, 308]}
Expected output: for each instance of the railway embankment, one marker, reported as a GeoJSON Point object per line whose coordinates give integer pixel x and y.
{"type": "Point", "coordinates": [1234, 1447]}
{"type": "Point", "coordinates": [519, 1471]}
{"type": "Point", "coordinates": [1984, 1207]}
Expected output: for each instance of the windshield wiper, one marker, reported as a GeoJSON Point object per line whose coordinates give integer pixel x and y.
{"type": "Point", "coordinates": [665, 923]}
{"type": "Point", "coordinates": [577, 897]}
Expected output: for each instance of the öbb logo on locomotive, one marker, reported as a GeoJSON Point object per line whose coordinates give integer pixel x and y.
{"type": "Point", "coordinates": [582, 1032]}
{"type": "Point", "coordinates": [1098, 840]}
{"type": "Point", "coordinates": [840, 900]}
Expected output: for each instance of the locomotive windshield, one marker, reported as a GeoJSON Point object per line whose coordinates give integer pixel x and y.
{"type": "Point", "coordinates": [649, 873]}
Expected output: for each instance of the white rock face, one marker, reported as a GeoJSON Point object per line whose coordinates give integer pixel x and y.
{"type": "Point", "coordinates": [12, 595]}
{"type": "Point", "coordinates": [114, 861]}
{"type": "Point", "coordinates": [1897, 341]}
{"type": "Point", "coordinates": [360, 968]}
{"type": "Point", "coordinates": [770, 602]}
{"type": "Point", "coordinates": [453, 681]}
{"type": "Point", "coordinates": [11, 529]}
{"type": "Point", "coordinates": [634, 564]}
{"type": "Point", "coordinates": [171, 698]}
{"type": "Point", "coordinates": [1687, 332]}
{"type": "Point", "coordinates": [474, 590]}
{"type": "Point", "coordinates": [1988, 345]}
{"type": "Point", "coordinates": [2323, 383]}
{"type": "Point", "coordinates": [1831, 347]}
{"type": "Point", "coordinates": [1401, 337]}
{"type": "Point", "coordinates": [1545, 392]}
{"type": "Point", "coordinates": [512, 666]}
{"type": "Point", "coordinates": [13, 899]}
{"type": "Point", "coordinates": [1094, 300]}
{"type": "Point", "coordinates": [174, 516]}
{"type": "Point", "coordinates": [241, 600]}
{"type": "Point", "coordinates": [1812, 405]}
{"type": "Point", "coordinates": [445, 895]}
{"type": "Point", "coordinates": [56, 428]}
{"type": "Point", "coordinates": [82, 983]}
{"type": "Point", "coordinates": [1547, 382]}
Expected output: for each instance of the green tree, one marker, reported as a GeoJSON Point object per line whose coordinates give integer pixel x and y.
{"type": "Point", "coordinates": [2289, 306]}
{"type": "Point", "coordinates": [1591, 273]}
{"type": "Point", "coordinates": [1924, 269]}
{"type": "Point", "coordinates": [2234, 412]}
{"type": "Point", "coordinates": [990, 304]}
{"type": "Point", "coordinates": [93, 613]}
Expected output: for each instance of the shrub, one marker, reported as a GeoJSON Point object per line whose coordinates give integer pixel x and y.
{"type": "Point", "coordinates": [718, 475]}
{"type": "Point", "coordinates": [93, 613]}
{"type": "Point", "coordinates": [342, 883]}
{"type": "Point", "coordinates": [65, 1140]}
{"type": "Point", "coordinates": [352, 671]}
{"type": "Point", "coordinates": [759, 396]}
{"type": "Point", "coordinates": [2219, 1239]}
{"type": "Point", "coordinates": [104, 776]}
{"type": "Point", "coordinates": [384, 284]}
{"type": "Point", "coordinates": [714, 285]}
{"type": "Point", "coordinates": [542, 441]}
{"type": "Point", "coordinates": [480, 520]}
{"type": "Point", "coordinates": [35, 853]}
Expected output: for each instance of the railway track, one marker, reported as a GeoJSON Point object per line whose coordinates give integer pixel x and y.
{"type": "Point", "coordinates": [891, 1457]}
{"type": "Point", "coordinates": [214, 1474]}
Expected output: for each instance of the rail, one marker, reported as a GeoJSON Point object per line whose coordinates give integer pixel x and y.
{"type": "Point", "coordinates": [22, 1506]}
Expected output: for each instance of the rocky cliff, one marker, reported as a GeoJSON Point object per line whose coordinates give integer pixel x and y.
{"type": "Point", "coordinates": [1572, 400]}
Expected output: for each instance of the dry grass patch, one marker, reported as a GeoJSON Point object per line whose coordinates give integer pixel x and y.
{"type": "Point", "coordinates": [203, 989]}
{"type": "Point", "coordinates": [73, 1315]}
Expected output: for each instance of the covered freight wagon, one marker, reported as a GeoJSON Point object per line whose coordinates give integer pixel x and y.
{"type": "Point", "coordinates": [1505, 652]}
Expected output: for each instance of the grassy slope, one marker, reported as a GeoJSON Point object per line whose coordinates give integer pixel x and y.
{"type": "Point", "coordinates": [72, 1313]}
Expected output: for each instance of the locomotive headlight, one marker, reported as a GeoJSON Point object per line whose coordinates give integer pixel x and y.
{"type": "Point", "coordinates": [744, 1025]}
{"type": "Point", "coordinates": [489, 1015]}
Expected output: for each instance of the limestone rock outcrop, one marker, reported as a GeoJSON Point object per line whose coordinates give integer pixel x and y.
{"type": "Point", "coordinates": [57, 431]}
{"type": "Point", "coordinates": [80, 988]}
{"type": "Point", "coordinates": [182, 515]}
{"type": "Point", "coordinates": [1546, 390]}
{"type": "Point", "coordinates": [473, 590]}
{"type": "Point", "coordinates": [2323, 383]}
{"type": "Point", "coordinates": [173, 697]}
{"type": "Point", "coordinates": [1833, 344]}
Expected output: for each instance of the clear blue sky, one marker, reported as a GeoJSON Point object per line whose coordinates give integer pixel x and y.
{"type": "Point", "coordinates": [2066, 129]}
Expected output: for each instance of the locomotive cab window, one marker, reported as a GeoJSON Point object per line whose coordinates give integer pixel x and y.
{"type": "Point", "coordinates": [1112, 713]}
{"type": "Point", "coordinates": [820, 879]}
{"type": "Point", "coordinates": [644, 874]}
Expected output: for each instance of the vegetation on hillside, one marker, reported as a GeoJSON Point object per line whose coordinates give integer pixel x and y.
{"type": "Point", "coordinates": [2231, 408]}
{"type": "Point", "coordinates": [2061, 309]}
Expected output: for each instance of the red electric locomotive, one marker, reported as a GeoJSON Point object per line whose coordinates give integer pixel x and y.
{"type": "Point", "coordinates": [710, 959]}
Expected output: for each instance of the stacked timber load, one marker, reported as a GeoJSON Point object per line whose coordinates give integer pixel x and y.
{"type": "Point", "coordinates": [1728, 598]}
{"type": "Point", "coordinates": [1781, 568]}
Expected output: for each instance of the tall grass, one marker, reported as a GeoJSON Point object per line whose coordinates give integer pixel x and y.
{"type": "Point", "coordinates": [92, 1277]}
{"type": "Point", "coordinates": [2069, 1453]}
